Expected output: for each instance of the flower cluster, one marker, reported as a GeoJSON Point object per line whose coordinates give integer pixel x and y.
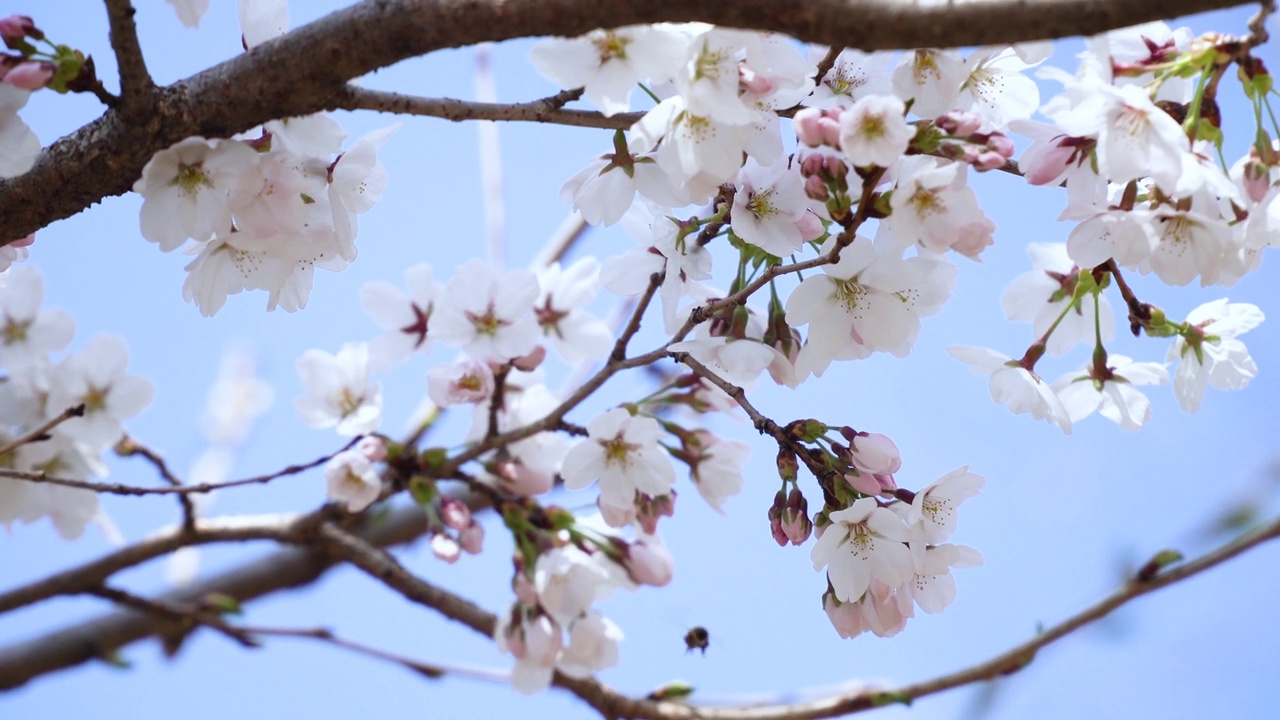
{"type": "Point", "coordinates": [37, 390]}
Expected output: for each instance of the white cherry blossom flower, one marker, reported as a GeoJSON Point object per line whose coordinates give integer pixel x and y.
{"type": "Point", "coordinates": [1188, 244]}
{"type": "Point", "coordinates": [569, 581]}
{"type": "Point", "coordinates": [186, 189]}
{"type": "Point", "coordinates": [352, 480]}
{"type": "Point", "coordinates": [96, 379]}
{"type": "Point", "coordinates": [996, 89]}
{"type": "Point", "coordinates": [718, 470]}
{"type": "Point", "coordinates": [767, 207]}
{"type": "Point", "coordinates": [697, 152]}
{"type": "Point", "coordinates": [19, 146]}
{"type": "Point", "coordinates": [190, 12]}
{"type": "Point", "coordinates": [932, 587]}
{"type": "Point", "coordinates": [609, 63]}
{"type": "Point", "coordinates": [1041, 295]}
{"type": "Point", "coordinates": [621, 451]}
{"type": "Point", "coordinates": [262, 20]}
{"type": "Point", "coordinates": [1135, 137]}
{"type": "Point", "coordinates": [593, 646]}
{"type": "Point", "coordinates": [1219, 358]}
{"type": "Point", "coordinates": [934, 206]}
{"type": "Point", "coordinates": [536, 642]}
{"type": "Point", "coordinates": [1128, 236]}
{"type": "Point", "coordinates": [487, 313]}
{"type": "Point", "coordinates": [932, 77]}
{"type": "Point", "coordinates": [935, 506]}
{"type": "Point", "coordinates": [338, 390]}
{"type": "Point", "coordinates": [357, 181]}
{"type": "Point", "coordinates": [1012, 385]}
{"type": "Point", "coordinates": [1116, 398]}
{"type": "Point", "coordinates": [854, 75]}
{"type": "Point", "coordinates": [27, 332]}
{"type": "Point", "coordinates": [405, 317]}
{"type": "Point", "coordinates": [862, 543]}
{"type": "Point", "coordinates": [575, 333]}
{"type": "Point", "coordinates": [709, 80]}
{"type": "Point", "coordinates": [874, 132]}
{"type": "Point", "coordinates": [469, 381]}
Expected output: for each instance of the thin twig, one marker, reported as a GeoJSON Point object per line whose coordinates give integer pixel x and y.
{"type": "Point", "coordinates": [128, 447]}
{"type": "Point", "coordinates": [544, 110]}
{"type": "Point", "coordinates": [1258, 24]}
{"type": "Point", "coordinates": [42, 432]}
{"type": "Point", "coordinates": [118, 489]}
{"type": "Point", "coordinates": [136, 85]}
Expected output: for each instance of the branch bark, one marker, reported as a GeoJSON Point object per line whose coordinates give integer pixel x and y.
{"type": "Point", "coordinates": [284, 78]}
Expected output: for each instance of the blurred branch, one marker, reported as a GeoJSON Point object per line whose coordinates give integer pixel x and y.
{"type": "Point", "coordinates": [42, 432]}
{"type": "Point", "coordinates": [128, 447]}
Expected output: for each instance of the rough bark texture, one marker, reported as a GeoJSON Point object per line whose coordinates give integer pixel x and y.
{"type": "Point", "coordinates": [304, 71]}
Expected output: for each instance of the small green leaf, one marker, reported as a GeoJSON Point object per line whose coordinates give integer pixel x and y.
{"type": "Point", "coordinates": [1160, 561]}
{"type": "Point", "coordinates": [671, 692]}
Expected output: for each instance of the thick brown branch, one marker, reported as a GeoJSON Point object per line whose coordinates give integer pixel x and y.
{"type": "Point", "coordinates": [307, 70]}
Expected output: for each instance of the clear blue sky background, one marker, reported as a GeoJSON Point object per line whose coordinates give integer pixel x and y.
{"type": "Point", "coordinates": [1059, 521]}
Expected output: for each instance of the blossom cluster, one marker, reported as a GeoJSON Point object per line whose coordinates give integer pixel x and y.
{"type": "Point", "coordinates": [37, 390]}
{"type": "Point", "coordinates": [262, 212]}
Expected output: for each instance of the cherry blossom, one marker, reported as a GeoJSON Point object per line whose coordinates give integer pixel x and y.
{"type": "Point", "coordinates": [19, 146]}
{"type": "Point", "coordinates": [536, 641]}
{"type": "Point", "coordinates": [1116, 396]}
{"type": "Point", "coordinates": [718, 470]}
{"type": "Point", "coordinates": [1015, 386]}
{"type": "Point", "coordinates": [569, 581]}
{"type": "Point", "coordinates": [575, 333]}
{"type": "Point", "coordinates": [96, 379]}
{"type": "Point", "coordinates": [935, 506]}
{"type": "Point", "coordinates": [593, 646]}
{"type": "Point", "coordinates": [932, 78]}
{"type": "Point", "coordinates": [933, 206]}
{"type": "Point", "coordinates": [768, 207]}
{"type": "Point", "coordinates": [352, 480]}
{"type": "Point", "coordinates": [487, 313]}
{"type": "Point", "coordinates": [185, 189]}
{"type": "Point", "coordinates": [338, 390]}
{"type": "Point", "coordinates": [1046, 293]}
{"type": "Point", "coordinates": [608, 63]}
{"type": "Point", "coordinates": [996, 89]}
{"type": "Point", "coordinates": [874, 132]}
{"type": "Point", "coordinates": [1211, 353]}
{"type": "Point", "coordinates": [862, 543]}
{"type": "Point", "coordinates": [469, 381]}
{"type": "Point", "coordinates": [406, 318]}
{"type": "Point", "coordinates": [28, 332]}
{"type": "Point", "coordinates": [623, 453]}
{"type": "Point", "coordinates": [854, 75]}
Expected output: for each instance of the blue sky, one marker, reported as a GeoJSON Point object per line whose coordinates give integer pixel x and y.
{"type": "Point", "coordinates": [1059, 520]}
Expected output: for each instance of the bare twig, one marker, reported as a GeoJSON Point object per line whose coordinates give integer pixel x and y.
{"type": "Point", "coordinates": [119, 489]}
{"type": "Point", "coordinates": [1258, 23]}
{"type": "Point", "coordinates": [42, 432]}
{"type": "Point", "coordinates": [136, 87]}
{"type": "Point", "coordinates": [545, 110]}
{"type": "Point", "coordinates": [128, 447]}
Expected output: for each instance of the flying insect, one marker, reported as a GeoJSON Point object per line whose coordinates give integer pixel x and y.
{"type": "Point", "coordinates": [697, 639]}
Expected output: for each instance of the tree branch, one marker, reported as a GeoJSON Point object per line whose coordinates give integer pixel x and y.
{"type": "Point", "coordinates": [136, 87]}
{"type": "Point", "coordinates": [283, 569]}
{"type": "Point", "coordinates": [104, 157]}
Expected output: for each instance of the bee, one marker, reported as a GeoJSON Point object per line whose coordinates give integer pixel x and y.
{"type": "Point", "coordinates": [697, 639]}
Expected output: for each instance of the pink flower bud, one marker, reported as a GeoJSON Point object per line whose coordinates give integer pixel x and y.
{"type": "Point", "coordinates": [616, 517]}
{"type": "Point", "coordinates": [445, 548]}
{"type": "Point", "coordinates": [531, 361]}
{"type": "Point", "coordinates": [524, 589]}
{"type": "Point", "coordinates": [999, 142]}
{"type": "Point", "coordinates": [805, 124]}
{"type": "Point", "coordinates": [1050, 164]}
{"type": "Point", "coordinates": [960, 123]}
{"type": "Point", "coordinates": [15, 28]}
{"type": "Point", "coordinates": [520, 479]}
{"type": "Point", "coordinates": [829, 129]}
{"type": "Point", "coordinates": [815, 188]}
{"type": "Point", "coordinates": [472, 539]}
{"type": "Point", "coordinates": [812, 164]}
{"type": "Point", "coordinates": [1255, 178]}
{"type": "Point", "coordinates": [30, 75]}
{"type": "Point", "coordinates": [846, 618]}
{"type": "Point", "coordinates": [24, 242]}
{"type": "Point", "coordinates": [874, 453]}
{"type": "Point", "coordinates": [649, 563]}
{"type": "Point", "coordinates": [795, 521]}
{"type": "Point", "coordinates": [372, 447]}
{"type": "Point", "coordinates": [989, 160]}
{"type": "Point", "coordinates": [455, 513]}
{"type": "Point", "coordinates": [810, 225]}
